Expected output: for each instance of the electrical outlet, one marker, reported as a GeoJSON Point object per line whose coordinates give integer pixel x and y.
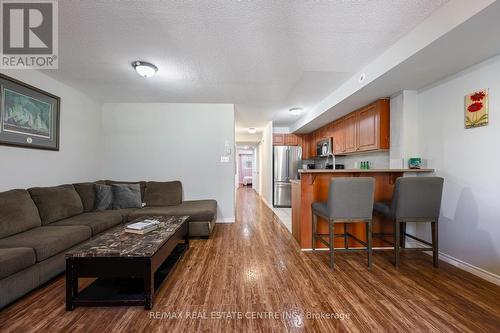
{"type": "Point", "coordinates": [224, 159]}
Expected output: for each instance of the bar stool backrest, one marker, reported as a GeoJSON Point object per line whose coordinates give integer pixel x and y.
{"type": "Point", "coordinates": [351, 198]}
{"type": "Point", "coordinates": [417, 198]}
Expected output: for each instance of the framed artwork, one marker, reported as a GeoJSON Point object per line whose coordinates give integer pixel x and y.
{"type": "Point", "coordinates": [29, 117]}
{"type": "Point", "coordinates": [476, 109]}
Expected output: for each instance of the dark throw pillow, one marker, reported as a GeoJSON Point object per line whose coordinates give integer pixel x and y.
{"type": "Point", "coordinates": [126, 196]}
{"type": "Point", "coordinates": [103, 197]}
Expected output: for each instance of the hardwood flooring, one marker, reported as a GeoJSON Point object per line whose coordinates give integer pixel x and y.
{"type": "Point", "coordinates": [255, 268]}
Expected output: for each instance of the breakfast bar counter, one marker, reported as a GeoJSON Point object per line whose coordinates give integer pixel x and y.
{"type": "Point", "coordinates": [313, 187]}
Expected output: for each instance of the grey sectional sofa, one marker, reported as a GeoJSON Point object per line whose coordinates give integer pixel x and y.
{"type": "Point", "coordinates": [38, 225]}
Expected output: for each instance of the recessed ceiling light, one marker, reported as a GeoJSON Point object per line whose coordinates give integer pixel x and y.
{"type": "Point", "coordinates": [252, 130]}
{"type": "Point", "coordinates": [144, 69]}
{"type": "Point", "coordinates": [296, 111]}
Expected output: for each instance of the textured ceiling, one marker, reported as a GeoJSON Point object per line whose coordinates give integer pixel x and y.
{"type": "Point", "coordinates": [264, 56]}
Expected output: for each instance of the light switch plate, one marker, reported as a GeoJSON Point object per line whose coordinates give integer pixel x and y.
{"type": "Point", "coordinates": [224, 159]}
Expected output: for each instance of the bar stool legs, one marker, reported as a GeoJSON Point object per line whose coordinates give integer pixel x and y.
{"type": "Point", "coordinates": [402, 235]}
{"type": "Point", "coordinates": [346, 240]}
{"type": "Point", "coordinates": [331, 242]}
{"type": "Point", "coordinates": [397, 235]}
{"type": "Point", "coordinates": [435, 251]}
{"type": "Point", "coordinates": [314, 229]}
{"type": "Point", "coordinates": [369, 242]}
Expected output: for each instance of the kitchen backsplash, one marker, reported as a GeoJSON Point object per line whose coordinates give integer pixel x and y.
{"type": "Point", "coordinates": [378, 160]}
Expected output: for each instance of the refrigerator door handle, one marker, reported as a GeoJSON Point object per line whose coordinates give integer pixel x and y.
{"type": "Point", "coordinates": [287, 163]}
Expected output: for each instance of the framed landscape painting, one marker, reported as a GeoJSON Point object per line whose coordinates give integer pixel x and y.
{"type": "Point", "coordinates": [476, 109]}
{"type": "Point", "coordinates": [29, 117]}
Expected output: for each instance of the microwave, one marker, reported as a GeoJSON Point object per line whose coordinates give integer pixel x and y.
{"type": "Point", "coordinates": [324, 147]}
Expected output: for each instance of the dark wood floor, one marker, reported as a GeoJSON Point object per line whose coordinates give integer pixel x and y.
{"type": "Point", "coordinates": [255, 266]}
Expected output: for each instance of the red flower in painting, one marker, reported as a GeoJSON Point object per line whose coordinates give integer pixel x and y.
{"type": "Point", "coordinates": [477, 96]}
{"type": "Point", "coordinates": [474, 107]}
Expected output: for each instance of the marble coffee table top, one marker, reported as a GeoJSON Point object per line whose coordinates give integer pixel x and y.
{"type": "Point", "coordinates": [118, 243]}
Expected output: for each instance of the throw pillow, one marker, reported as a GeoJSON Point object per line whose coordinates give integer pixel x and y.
{"type": "Point", "coordinates": [126, 196]}
{"type": "Point", "coordinates": [103, 197]}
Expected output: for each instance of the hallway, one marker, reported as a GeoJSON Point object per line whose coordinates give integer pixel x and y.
{"type": "Point", "coordinates": [255, 269]}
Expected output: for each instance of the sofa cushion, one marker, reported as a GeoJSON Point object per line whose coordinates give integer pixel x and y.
{"type": "Point", "coordinates": [163, 193]}
{"type": "Point", "coordinates": [49, 240]}
{"type": "Point", "coordinates": [142, 184]}
{"type": "Point", "coordinates": [56, 203]}
{"type": "Point", "coordinates": [197, 210]}
{"type": "Point", "coordinates": [86, 191]}
{"type": "Point", "coordinates": [18, 213]}
{"type": "Point", "coordinates": [103, 197]}
{"type": "Point", "coordinates": [126, 196]}
{"type": "Point", "coordinates": [96, 221]}
{"type": "Point", "coordinates": [14, 260]}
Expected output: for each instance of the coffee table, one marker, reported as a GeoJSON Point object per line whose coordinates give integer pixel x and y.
{"type": "Point", "coordinates": [128, 267]}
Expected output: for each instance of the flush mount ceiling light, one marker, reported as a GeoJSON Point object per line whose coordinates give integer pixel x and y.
{"type": "Point", "coordinates": [252, 130]}
{"type": "Point", "coordinates": [144, 69]}
{"type": "Point", "coordinates": [296, 111]}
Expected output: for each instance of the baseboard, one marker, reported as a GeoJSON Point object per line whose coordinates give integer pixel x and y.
{"type": "Point", "coordinates": [226, 220]}
{"type": "Point", "coordinates": [474, 270]}
{"type": "Point", "coordinates": [340, 248]}
{"type": "Point", "coordinates": [267, 203]}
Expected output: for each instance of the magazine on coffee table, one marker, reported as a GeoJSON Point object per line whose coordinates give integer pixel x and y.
{"type": "Point", "coordinates": [142, 227]}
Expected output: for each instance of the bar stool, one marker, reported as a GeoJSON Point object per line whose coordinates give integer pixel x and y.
{"type": "Point", "coordinates": [350, 200]}
{"type": "Point", "coordinates": [415, 199]}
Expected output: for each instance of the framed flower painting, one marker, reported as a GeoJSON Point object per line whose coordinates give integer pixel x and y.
{"type": "Point", "coordinates": [476, 109]}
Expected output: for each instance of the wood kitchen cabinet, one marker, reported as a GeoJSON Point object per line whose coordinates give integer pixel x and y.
{"type": "Point", "coordinates": [278, 139]}
{"type": "Point", "coordinates": [288, 139]}
{"type": "Point", "coordinates": [366, 129]}
{"type": "Point", "coordinates": [372, 132]}
{"type": "Point", "coordinates": [338, 137]}
{"type": "Point", "coordinates": [291, 140]}
{"type": "Point", "coordinates": [349, 127]}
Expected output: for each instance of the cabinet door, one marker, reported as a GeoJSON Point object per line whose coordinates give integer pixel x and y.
{"type": "Point", "coordinates": [291, 140]}
{"type": "Point", "coordinates": [278, 139]}
{"type": "Point", "coordinates": [350, 133]}
{"type": "Point", "coordinates": [367, 129]}
{"type": "Point", "coordinates": [312, 144]}
{"type": "Point", "coordinates": [338, 137]}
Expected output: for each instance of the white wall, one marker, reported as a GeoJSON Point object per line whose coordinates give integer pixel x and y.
{"type": "Point", "coordinates": [469, 160]}
{"type": "Point", "coordinates": [79, 154]}
{"type": "Point", "coordinates": [160, 141]}
{"type": "Point", "coordinates": [266, 164]}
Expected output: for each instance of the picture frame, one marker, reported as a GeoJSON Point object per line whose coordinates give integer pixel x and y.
{"type": "Point", "coordinates": [476, 106]}
{"type": "Point", "coordinates": [29, 116]}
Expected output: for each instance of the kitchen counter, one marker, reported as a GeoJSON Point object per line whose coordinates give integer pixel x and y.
{"type": "Point", "coordinates": [363, 170]}
{"type": "Point", "coordinates": [313, 187]}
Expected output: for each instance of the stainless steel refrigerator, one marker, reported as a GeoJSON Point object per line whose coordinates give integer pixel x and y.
{"type": "Point", "coordinates": [286, 160]}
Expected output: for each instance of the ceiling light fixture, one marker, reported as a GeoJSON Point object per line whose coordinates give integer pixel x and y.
{"type": "Point", "coordinates": [252, 130]}
{"type": "Point", "coordinates": [144, 69]}
{"type": "Point", "coordinates": [296, 111]}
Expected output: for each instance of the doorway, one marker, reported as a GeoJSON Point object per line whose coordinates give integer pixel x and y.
{"type": "Point", "coordinates": [246, 167]}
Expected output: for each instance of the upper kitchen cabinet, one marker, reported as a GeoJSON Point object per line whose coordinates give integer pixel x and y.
{"type": "Point", "coordinates": [278, 139]}
{"type": "Point", "coordinates": [287, 139]}
{"type": "Point", "coordinates": [366, 129]}
{"type": "Point", "coordinates": [372, 132]}
{"type": "Point", "coordinates": [338, 137]}
{"type": "Point", "coordinates": [349, 128]}
{"type": "Point", "coordinates": [291, 140]}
